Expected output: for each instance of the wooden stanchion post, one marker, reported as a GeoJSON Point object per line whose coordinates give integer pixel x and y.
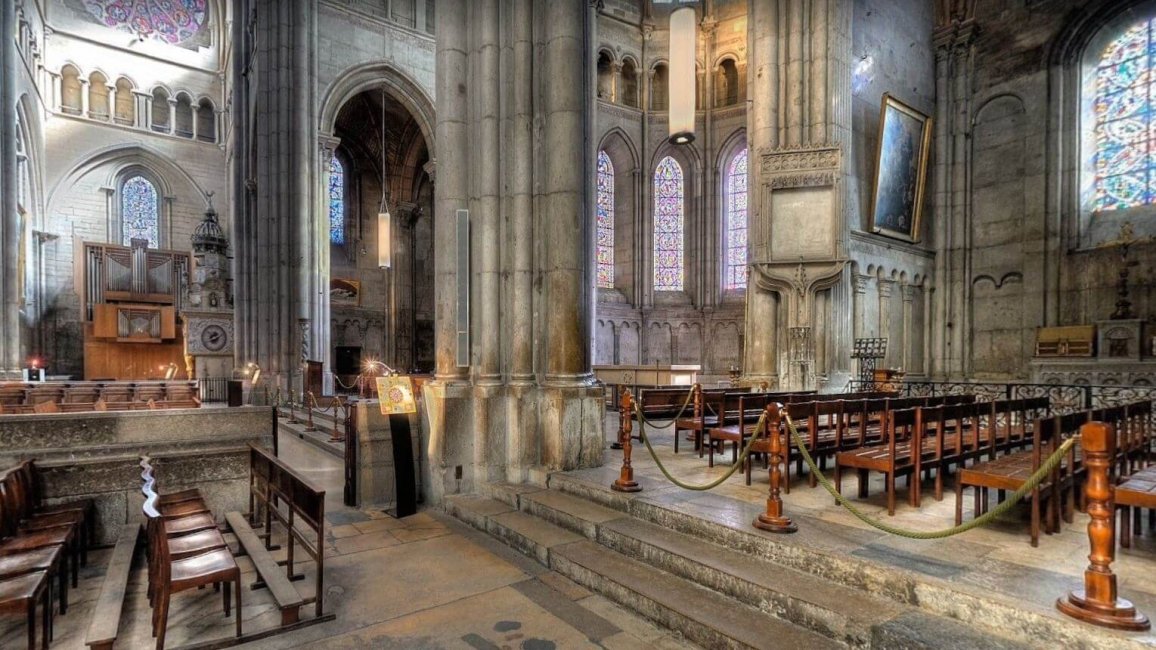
{"type": "Point", "coordinates": [625, 481]}
{"type": "Point", "coordinates": [1097, 602]}
{"type": "Point", "coordinates": [773, 519]}
{"type": "Point", "coordinates": [310, 404]}
{"type": "Point", "coordinates": [622, 415]}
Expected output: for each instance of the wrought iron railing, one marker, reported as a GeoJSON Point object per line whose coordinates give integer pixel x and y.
{"type": "Point", "coordinates": [1064, 397]}
{"type": "Point", "coordinates": [213, 391]}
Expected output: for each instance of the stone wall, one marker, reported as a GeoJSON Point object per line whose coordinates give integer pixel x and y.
{"type": "Point", "coordinates": [1020, 246]}
{"type": "Point", "coordinates": [97, 456]}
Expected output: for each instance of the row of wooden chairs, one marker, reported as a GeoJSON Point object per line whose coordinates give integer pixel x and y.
{"type": "Point", "coordinates": [715, 407]}
{"type": "Point", "coordinates": [1055, 498]}
{"type": "Point", "coordinates": [38, 544]}
{"type": "Point", "coordinates": [185, 551]}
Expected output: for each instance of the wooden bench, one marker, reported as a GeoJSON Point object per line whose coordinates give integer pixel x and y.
{"type": "Point", "coordinates": [1133, 496]}
{"type": "Point", "coordinates": [288, 600]}
{"type": "Point", "coordinates": [293, 502]}
{"type": "Point", "coordinates": [105, 625]}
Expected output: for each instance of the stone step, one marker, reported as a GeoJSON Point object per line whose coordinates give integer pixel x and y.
{"type": "Point", "coordinates": [319, 438]}
{"type": "Point", "coordinates": [578, 515]}
{"type": "Point", "coordinates": [701, 615]}
{"type": "Point", "coordinates": [835, 611]}
{"type": "Point", "coordinates": [965, 607]}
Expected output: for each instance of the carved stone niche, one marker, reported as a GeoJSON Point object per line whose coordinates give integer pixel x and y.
{"type": "Point", "coordinates": [1120, 339]}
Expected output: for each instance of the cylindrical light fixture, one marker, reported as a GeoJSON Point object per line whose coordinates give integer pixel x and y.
{"type": "Point", "coordinates": [384, 240]}
{"type": "Point", "coordinates": [681, 76]}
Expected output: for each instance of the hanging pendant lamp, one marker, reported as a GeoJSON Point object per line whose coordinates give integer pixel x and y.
{"type": "Point", "coordinates": [384, 236]}
{"type": "Point", "coordinates": [681, 77]}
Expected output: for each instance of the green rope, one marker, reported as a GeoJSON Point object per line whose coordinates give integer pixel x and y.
{"type": "Point", "coordinates": [678, 417]}
{"type": "Point", "coordinates": [1033, 481]}
{"type": "Point", "coordinates": [759, 428]}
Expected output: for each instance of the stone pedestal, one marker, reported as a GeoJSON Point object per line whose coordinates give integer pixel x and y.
{"type": "Point", "coordinates": [375, 468]}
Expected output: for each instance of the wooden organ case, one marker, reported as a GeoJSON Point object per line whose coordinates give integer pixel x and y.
{"type": "Point", "coordinates": [131, 297]}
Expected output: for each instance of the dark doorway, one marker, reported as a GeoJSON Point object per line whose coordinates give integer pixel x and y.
{"type": "Point", "coordinates": [347, 360]}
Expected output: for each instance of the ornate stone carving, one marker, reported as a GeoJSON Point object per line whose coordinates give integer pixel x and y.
{"type": "Point", "coordinates": [781, 160]}
{"type": "Point", "coordinates": [801, 180]}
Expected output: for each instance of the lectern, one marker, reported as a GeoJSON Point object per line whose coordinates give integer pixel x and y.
{"type": "Point", "coordinates": [397, 402]}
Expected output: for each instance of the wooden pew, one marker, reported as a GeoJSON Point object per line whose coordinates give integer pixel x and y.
{"type": "Point", "coordinates": [893, 458]}
{"type": "Point", "coordinates": [105, 625]}
{"type": "Point", "coordinates": [739, 424]}
{"type": "Point", "coordinates": [284, 496]}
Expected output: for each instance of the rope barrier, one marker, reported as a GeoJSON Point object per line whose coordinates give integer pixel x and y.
{"type": "Point", "coordinates": [1033, 481]}
{"type": "Point", "coordinates": [759, 429]}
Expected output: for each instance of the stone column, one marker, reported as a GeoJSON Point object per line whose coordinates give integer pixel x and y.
{"type": "Point", "coordinates": [522, 181]}
{"type": "Point", "coordinates": [196, 122]}
{"type": "Point", "coordinates": [908, 293]}
{"type": "Point", "coordinates": [278, 266]}
{"type": "Point", "coordinates": [111, 102]}
{"type": "Point", "coordinates": [567, 165]}
{"type": "Point", "coordinates": [885, 288]}
{"type": "Point", "coordinates": [143, 110]}
{"type": "Point", "coordinates": [172, 116]}
{"type": "Point", "coordinates": [860, 288]}
{"type": "Point", "coordinates": [450, 192]}
{"type": "Point", "coordinates": [11, 339]}
{"type": "Point", "coordinates": [84, 103]}
{"type": "Point", "coordinates": [486, 316]}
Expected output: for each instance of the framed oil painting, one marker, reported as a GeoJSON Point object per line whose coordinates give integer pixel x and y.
{"type": "Point", "coordinates": [900, 170]}
{"type": "Point", "coordinates": [344, 292]}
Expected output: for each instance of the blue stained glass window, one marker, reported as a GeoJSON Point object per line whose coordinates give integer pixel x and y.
{"type": "Point", "coordinates": [336, 201]}
{"type": "Point", "coordinates": [668, 226]}
{"type": "Point", "coordinates": [736, 222]}
{"type": "Point", "coordinates": [605, 246]}
{"type": "Point", "coordinates": [1125, 130]}
{"type": "Point", "coordinates": [140, 211]}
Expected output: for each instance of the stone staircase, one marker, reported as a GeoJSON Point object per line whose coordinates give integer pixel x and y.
{"type": "Point", "coordinates": [320, 438]}
{"type": "Point", "coordinates": [695, 581]}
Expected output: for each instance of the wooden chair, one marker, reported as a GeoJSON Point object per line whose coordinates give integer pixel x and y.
{"type": "Point", "coordinates": [1133, 496]}
{"type": "Point", "coordinates": [893, 457]}
{"type": "Point", "coordinates": [177, 575]}
{"type": "Point", "coordinates": [27, 531]}
{"type": "Point", "coordinates": [738, 425]}
{"type": "Point", "coordinates": [85, 507]}
{"type": "Point", "coordinates": [24, 594]}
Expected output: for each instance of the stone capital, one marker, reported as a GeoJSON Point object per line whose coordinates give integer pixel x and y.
{"type": "Point", "coordinates": [908, 292]}
{"type": "Point", "coordinates": [861, 282]}
{"type": "Point", "coordinates": [886, 287]}
{"type": "Point", "coordinates": [431, 169]}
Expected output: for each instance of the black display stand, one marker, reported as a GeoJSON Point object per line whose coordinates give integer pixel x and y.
{"type": "Point", "coordinates": [405, 487]}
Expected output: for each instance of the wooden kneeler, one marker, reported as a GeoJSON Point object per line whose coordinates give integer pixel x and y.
{"type": "Point", "coordinates": [288, 599]}
{"type": "Point", "coordinates": [105, 626]}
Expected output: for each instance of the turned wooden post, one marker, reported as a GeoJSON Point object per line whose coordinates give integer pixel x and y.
{"type": "Point", "coordinates": [310, 403]}
{"type": "Point", "coordinates": [617, 444]}
{"type": "Point", "coordinates": [292, 414]}
{"type": "Point", "coordinates": [625, 481]}
{"type": "Point", "coordinates": [773, 519]}
{"type": "Point", "coordinates": [1097, 602]}
{"type": "Point", "coordinates": [338, 418]}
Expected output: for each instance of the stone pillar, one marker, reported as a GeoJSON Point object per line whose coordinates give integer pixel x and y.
{"type": "Point", "coordinates": [450, 192]}
{"type": "Point", "coordinates": [196, 122]}
{"type": "Point", "coordinates": [885, 289]}
{"type": "Point", "coordinates": [860, 287]}
{"type": "Point", "coordinates": [11, 335]}
{"type": "Point", "coordinates": [111, 102]}
{"type": "Point", "coordinates": [568, 300]}
{"type": "Point", "coordinates": [84, 99]}
{"type": "Point", "coordinates": [278, 265]}
{"type": "Point", "coordinates": [908, 292]}
{"type": "Point", "coordinates": [142, 110]}
{"type": "Point", "coordinates": [522, 181]}
{"type": "Point", "coordinates": [485, 316]}
{"type": "Point", "coordinates": [172, 116]}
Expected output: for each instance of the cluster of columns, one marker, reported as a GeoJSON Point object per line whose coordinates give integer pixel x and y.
{"type": "Point", "coordinates": [515, 148]}
{"type": "Point", "coordinates": [11, 330]}
{"type": "Point", "coordinates": [801, 102]}
{"type": "Point", "coordinates": [282, 274]}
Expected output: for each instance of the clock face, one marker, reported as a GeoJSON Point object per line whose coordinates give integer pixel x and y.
{"type": "Point", "coordinates": [214, 338]}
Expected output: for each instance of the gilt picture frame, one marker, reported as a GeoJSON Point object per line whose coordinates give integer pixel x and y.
{"type": "Point", "coordinates": [903, 150]}
{"type": "Point", "coordinates": [343, 291]}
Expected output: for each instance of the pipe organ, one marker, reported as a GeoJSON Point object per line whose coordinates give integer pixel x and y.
{"type": "Point", "coordinates": [131, 297]}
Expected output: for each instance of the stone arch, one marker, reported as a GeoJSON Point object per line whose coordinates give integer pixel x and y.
{"type": "Point", "coordinates": [367, 76]}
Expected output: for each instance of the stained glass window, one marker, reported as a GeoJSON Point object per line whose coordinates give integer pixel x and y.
{"type": "Point", "coordinates": [1125, 173]}
{"type": "Point", "coordinates": [140, 211]}
{"type": "Point", "coordinates": [169, 21]}
{"type": "Point", "coordinates": [336, 201]}
{"type": "Point", "coordinates": [668, 226]}
{"type": "Point", "coordinates": [736, 222]}
{"type": "Point", "coordinates": [605, 221]}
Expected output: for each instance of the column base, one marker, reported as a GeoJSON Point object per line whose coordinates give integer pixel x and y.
{"type": "Point", "coordinates": [1120, 616]}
